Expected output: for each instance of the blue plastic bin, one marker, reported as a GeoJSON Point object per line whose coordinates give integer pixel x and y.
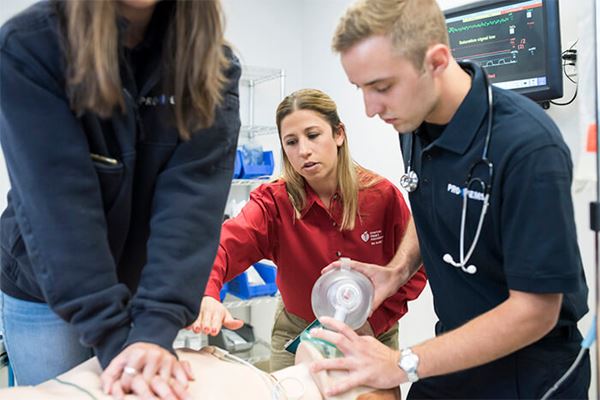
{"type": "Point", "coordinates": [250, 171]}
{"type": "Point", "coordinates": [237, 166]}
{"type": "Point", "coordinates": [240, 287]}
{"type": "Point", "coordinates": [224, 291]}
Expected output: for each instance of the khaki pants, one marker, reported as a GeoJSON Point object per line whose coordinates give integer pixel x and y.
{"type": "Point", "coordinates": [287, 326]}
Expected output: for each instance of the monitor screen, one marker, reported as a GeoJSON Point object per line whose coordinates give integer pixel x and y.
{"type": "Point", "coordinates": [517, 43]}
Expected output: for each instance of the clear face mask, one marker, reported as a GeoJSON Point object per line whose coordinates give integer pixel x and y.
{"type": "Point", "coordinates": [343, 294]}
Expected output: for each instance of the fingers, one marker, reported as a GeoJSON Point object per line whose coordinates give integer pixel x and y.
{"type": "Point", "coordinates": [339, 327]}
{"type": "Point", "coordinates": [351, 380]}
{"type": "Point", "coordinates": [342, 339]}
{"type": "Point", "coordinates": [366, 361]}
{"type": "Point", "coordinates": [341, 363]}
{"type": "Point", "coordinates": [156, 388]}
{"type": "Point", "coordinates": [188, 370]}
{"type": "Point", "coordinates": [181, 371]}
{"type": "Point", "coordinates": [343, 385]}
{"type": "Point", "coordinates": [232, 323]}
{"type": "Point", "coordinates": [148, 371]}
{"type": "Point", "coordinates": [212, 314]}
{"type": "Point", "coordinates": [135, 364]}
{"type": "Point", "coordinates": [366, 269]}
{"type": "Point", "coordinates": [152, 364]}
{"type": "Point", "coordinates": [332, 337]}
{"type": "Point", "coordinates": [335, 264]}
{"type": "Point", "coordinates": [162, 377]}
{"type": "Point", "coordinates": [170, 389]}
{"type": "Point", "coordinates": [205, 322]}
{"type": "Point", "coordinates": [196, 327]}
{"type": "Point", "coordinates": [166, 368]}
{"type": "Point", "coordinates": [215, 322]}
{"type": "Point", "coordinates": [162, 389]}
{"type": "Point", "coordinates": [179, 390]}
{"type": "Point", "coordinates": [112, 373]}
{"type": "Point", "coordinates": [181, 375]}
{"type": "Point", "coordinates": [142, 389]}
{"type": "Point", "coordinates": [117, 391]}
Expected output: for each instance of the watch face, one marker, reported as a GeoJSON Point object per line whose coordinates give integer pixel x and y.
{"type": "Point", "coordinates": [409, 362]}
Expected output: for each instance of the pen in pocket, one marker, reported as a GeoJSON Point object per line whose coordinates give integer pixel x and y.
{"type": "Point", "coordinates": [103, 159]}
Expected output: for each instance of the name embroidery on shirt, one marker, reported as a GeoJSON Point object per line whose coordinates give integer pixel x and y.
{"type": "Point", "coordinates": [161, 100]}
{"type": "Point", "coordinates": [471, 194]}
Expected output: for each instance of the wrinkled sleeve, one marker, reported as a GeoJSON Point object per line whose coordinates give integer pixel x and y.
{"type": "Point", "coordinates": [57, 201]}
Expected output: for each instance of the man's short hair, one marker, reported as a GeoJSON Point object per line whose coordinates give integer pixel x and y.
{"type": "Point", "coordinates": [413, 26]}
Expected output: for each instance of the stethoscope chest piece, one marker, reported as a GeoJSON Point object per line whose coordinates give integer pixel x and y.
{"type": "Point", "coordinates": [409, 181]}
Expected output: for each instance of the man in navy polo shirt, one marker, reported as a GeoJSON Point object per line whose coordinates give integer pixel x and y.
{"type": "Point", "coordinates": [508, 296]}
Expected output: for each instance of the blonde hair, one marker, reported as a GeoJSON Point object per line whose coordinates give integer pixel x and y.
{"type": "Point", "coordinates": [351, 177]}
{"type": "Point", "coordinates": [413, 26]}
{"type": "Point", "coordinates": [193, 59]}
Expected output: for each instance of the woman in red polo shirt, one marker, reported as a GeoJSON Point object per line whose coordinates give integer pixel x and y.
{"type": "Point", "coordinates": [325, 206]}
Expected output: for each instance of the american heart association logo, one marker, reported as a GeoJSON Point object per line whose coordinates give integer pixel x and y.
{"type": "Point", "coordinates": [365, 236]}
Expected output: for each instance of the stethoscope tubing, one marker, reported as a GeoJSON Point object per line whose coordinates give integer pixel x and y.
{"type": "Point", "coordinates": [410, 180]}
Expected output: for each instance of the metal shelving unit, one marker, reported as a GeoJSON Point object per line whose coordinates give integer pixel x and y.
{"type": "Point", "coordinates": [251, 78]}
{"type": "Point", "coordinates": [252, 131]}
{"type": "Point", "coordinates": [250, 182]}
{"type": "Point", "coordinates": [232, 302]}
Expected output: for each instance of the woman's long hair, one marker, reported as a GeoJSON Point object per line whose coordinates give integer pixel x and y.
{"type": "Point", "coordinates": [351, 177]}
{"type": "Point", "coordinates": [193, 58]}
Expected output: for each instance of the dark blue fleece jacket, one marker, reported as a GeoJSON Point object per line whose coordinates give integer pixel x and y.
{"type": "Point", "coordinates": [121, 250]}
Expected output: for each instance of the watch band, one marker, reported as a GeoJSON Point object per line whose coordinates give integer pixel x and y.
{"type": "Point", "coordinates": [409, 362]}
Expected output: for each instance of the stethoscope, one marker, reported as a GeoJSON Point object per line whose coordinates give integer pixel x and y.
{"type": "Point", "coordinates": [410, 181]}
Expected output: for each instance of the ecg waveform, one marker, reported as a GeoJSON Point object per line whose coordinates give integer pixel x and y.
{"type": "Point", "coordinates": [483, 24]}
{"type": "Point", "coordinates": [507, 41]}
{"type": "Point", "coordinates": [499, 61]}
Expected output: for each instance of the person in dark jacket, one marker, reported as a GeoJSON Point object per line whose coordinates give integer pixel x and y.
{"type": "Point", "coordinates": [119, 123]}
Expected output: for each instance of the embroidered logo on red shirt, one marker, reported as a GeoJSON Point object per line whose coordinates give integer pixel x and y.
{"type": "Point", "coordinates": [376, 237]}
{"type": "Point", "coordinates": [365, 236]}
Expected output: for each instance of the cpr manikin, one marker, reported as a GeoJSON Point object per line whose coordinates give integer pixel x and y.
{"type": "Point", "coordinates": [342, 293]}
{"type": "Point", "coordinates": [217, 378]}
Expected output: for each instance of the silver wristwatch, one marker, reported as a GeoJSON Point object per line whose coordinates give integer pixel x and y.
{"type": "Point", "coordinates": [409, 362]}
